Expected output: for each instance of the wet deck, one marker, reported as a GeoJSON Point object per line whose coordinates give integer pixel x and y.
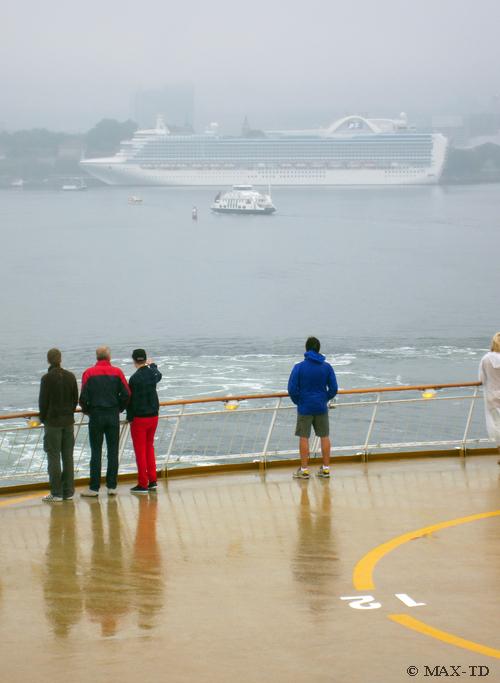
{"type": "Point", "coordinates": [239, 578]}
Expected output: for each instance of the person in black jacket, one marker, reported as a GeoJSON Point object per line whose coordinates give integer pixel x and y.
{"type": "Point", "coordinates": [142, 414]}
{"type": "Point", "coordinates": [57, 402]}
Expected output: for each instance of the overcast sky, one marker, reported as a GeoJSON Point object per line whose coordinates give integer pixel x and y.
{"type": "Point", "coordinates": [65, 65]}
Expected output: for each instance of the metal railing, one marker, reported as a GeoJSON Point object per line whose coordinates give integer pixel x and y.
{"type": "Point", "coordinates": [260, 428]}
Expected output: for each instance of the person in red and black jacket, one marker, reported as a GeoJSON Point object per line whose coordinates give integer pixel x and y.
{"type": "Point", "coordinates": [104, 395]}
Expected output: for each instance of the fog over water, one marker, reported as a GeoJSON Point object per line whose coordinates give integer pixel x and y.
{"type": "Point", "coordinates": [68, 65]}
{"type": "Point", "coordinates": [400, 284]}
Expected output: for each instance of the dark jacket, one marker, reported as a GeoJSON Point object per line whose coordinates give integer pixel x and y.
{"type": "Point", "coordinates": [144, 399]}
{"type": "Point", "coordinates": [104, 387]}
{"type": "Point", "coordinates": [312, 384]}
{"type": "Point", "coordinates": [58, 397]}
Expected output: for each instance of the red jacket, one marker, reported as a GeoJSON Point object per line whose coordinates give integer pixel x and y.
{"type": "Point", "coordinates": [104, 387]}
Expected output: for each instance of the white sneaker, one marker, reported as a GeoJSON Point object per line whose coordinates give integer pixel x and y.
{"type": "Point", "coordinates": [112, 492]}
{"type": "Point", "coordinates": [89, 493]}
{"type": "Point", "coordinates": [323, 472]}
{"type": "Point", "coordinates": [301, 473]}
{"type": "Point", "coordinates": [49, 498]}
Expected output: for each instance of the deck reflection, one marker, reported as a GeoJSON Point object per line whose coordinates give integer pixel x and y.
{"type": "Point", "coordinates": [239, 577]}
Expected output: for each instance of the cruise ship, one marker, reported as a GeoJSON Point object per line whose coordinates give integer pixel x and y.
{"type": "Point", "coordinates": [352, 151]}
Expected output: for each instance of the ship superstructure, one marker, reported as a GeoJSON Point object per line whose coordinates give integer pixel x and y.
{"type": "Point", "coordinates": [352, 151]}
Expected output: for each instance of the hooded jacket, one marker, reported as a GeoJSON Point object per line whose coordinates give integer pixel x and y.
{"type": "Point", "coordinates": [312, 384]}
{"type": "Point", "coordinates": [144, 399]}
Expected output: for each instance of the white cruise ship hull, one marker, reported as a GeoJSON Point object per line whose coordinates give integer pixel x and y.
{"type": "Point", "coordinates": [113, 173]}
{"type": "Point", "coordinates": [353, 151]}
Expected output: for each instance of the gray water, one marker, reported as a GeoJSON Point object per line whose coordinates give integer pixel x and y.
{"type": "Point", "coordinates": [400, 285]}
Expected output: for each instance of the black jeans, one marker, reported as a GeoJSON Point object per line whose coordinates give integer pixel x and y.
{"type": "Point", "coordinates": [104, 423]}
{"type": "Point", "coordinates": [58, 443]}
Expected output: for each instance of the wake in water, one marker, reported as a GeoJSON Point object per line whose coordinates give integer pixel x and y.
{"type": "Point", "coordinates": [196, 373]}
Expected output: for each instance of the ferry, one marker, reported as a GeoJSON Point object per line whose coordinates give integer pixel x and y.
{"type": "Point", "coordinates": [243, 199]}
{"type": "Point", "coordinates": [352, 151]}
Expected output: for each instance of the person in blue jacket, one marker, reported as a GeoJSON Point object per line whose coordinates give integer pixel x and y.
{"type": "Point", "coordinates": [311, 385]}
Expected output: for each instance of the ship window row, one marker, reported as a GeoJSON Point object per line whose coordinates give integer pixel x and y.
{"type": "Point", "coordinates": [346, 154]}
{"type": "Point", "coordinates": [292, 155]}
{"type": "Point", "coordinates": [204, 163]}
{"type": "Point", "coordinates": [295, 171]}
{"type": "Point", "coordinates": [281, 153]}
{"type": "Point", "coordinates": [278, 149]}
{"type": "Point", "coordinates": [286, 145]}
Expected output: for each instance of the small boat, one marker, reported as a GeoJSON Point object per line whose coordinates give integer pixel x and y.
{"type": "Point", "coordinates": [135, 200]}
{"type": "Point", "coordinates": [74, 186]}
{"type": "Point", "coordinates": [194, 213]}
{"type": "Point", "coordinates": [243, 199]}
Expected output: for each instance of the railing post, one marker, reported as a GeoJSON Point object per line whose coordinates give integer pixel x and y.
{"type": "Point", "coordinates": [370, 429]}
{"type": "Point", "coordinates": [79, 425]}
{"type": "Point", "coordinates": [263, 460]}
{"type": "Point", "coordinates": [123, 440]}
{"type": "Point", "coordinates": [463, 450]}
{"type": "Point", "coordinates": [172, 438]}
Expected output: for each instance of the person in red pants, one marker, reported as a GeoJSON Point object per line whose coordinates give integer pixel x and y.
{"type": "Point", "coordinates": [142, 414]}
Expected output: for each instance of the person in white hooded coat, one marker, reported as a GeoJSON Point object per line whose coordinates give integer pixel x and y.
{"type": "Point", "coordinates": [489, 376]}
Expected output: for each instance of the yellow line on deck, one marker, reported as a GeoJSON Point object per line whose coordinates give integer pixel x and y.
{"type": "Point", "coordinates": [22, 499]}
{"type": "Point", "coordinates": [363, 571]}
{"type": "Point", "coordinates": [426, 630]}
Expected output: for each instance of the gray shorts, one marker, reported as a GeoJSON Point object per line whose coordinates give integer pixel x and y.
{"type": "Point", "coordinates": [319, 422]}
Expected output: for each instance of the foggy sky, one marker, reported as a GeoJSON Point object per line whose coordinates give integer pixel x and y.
{"type": "Point", "coordinates": [67, 65]}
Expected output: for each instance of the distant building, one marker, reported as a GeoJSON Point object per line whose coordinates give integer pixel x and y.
{"type": "Point", "coordinates": [175, 102]}
{"type": "Point", "coordinates": [453, 127]}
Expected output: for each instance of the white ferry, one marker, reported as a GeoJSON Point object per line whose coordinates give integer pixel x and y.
{"type": "Point", "coordinates": [352, 151]}
{"type": "Point", "coordinates": [243, 199]}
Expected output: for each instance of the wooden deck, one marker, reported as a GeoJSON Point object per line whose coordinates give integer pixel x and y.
{"type": "Point", "coordinates": [239, 577]}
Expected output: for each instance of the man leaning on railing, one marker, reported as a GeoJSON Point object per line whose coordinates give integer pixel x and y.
{"type": "Point", "coordinates": [104, 395]}
{"type": "Point", "coordinates": [57, 403]}
{"type": "Point", "coordinates": [311, 385]}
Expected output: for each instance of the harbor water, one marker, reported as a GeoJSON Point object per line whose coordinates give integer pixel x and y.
{"type": "Point", "coordinates": [400, 284]}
